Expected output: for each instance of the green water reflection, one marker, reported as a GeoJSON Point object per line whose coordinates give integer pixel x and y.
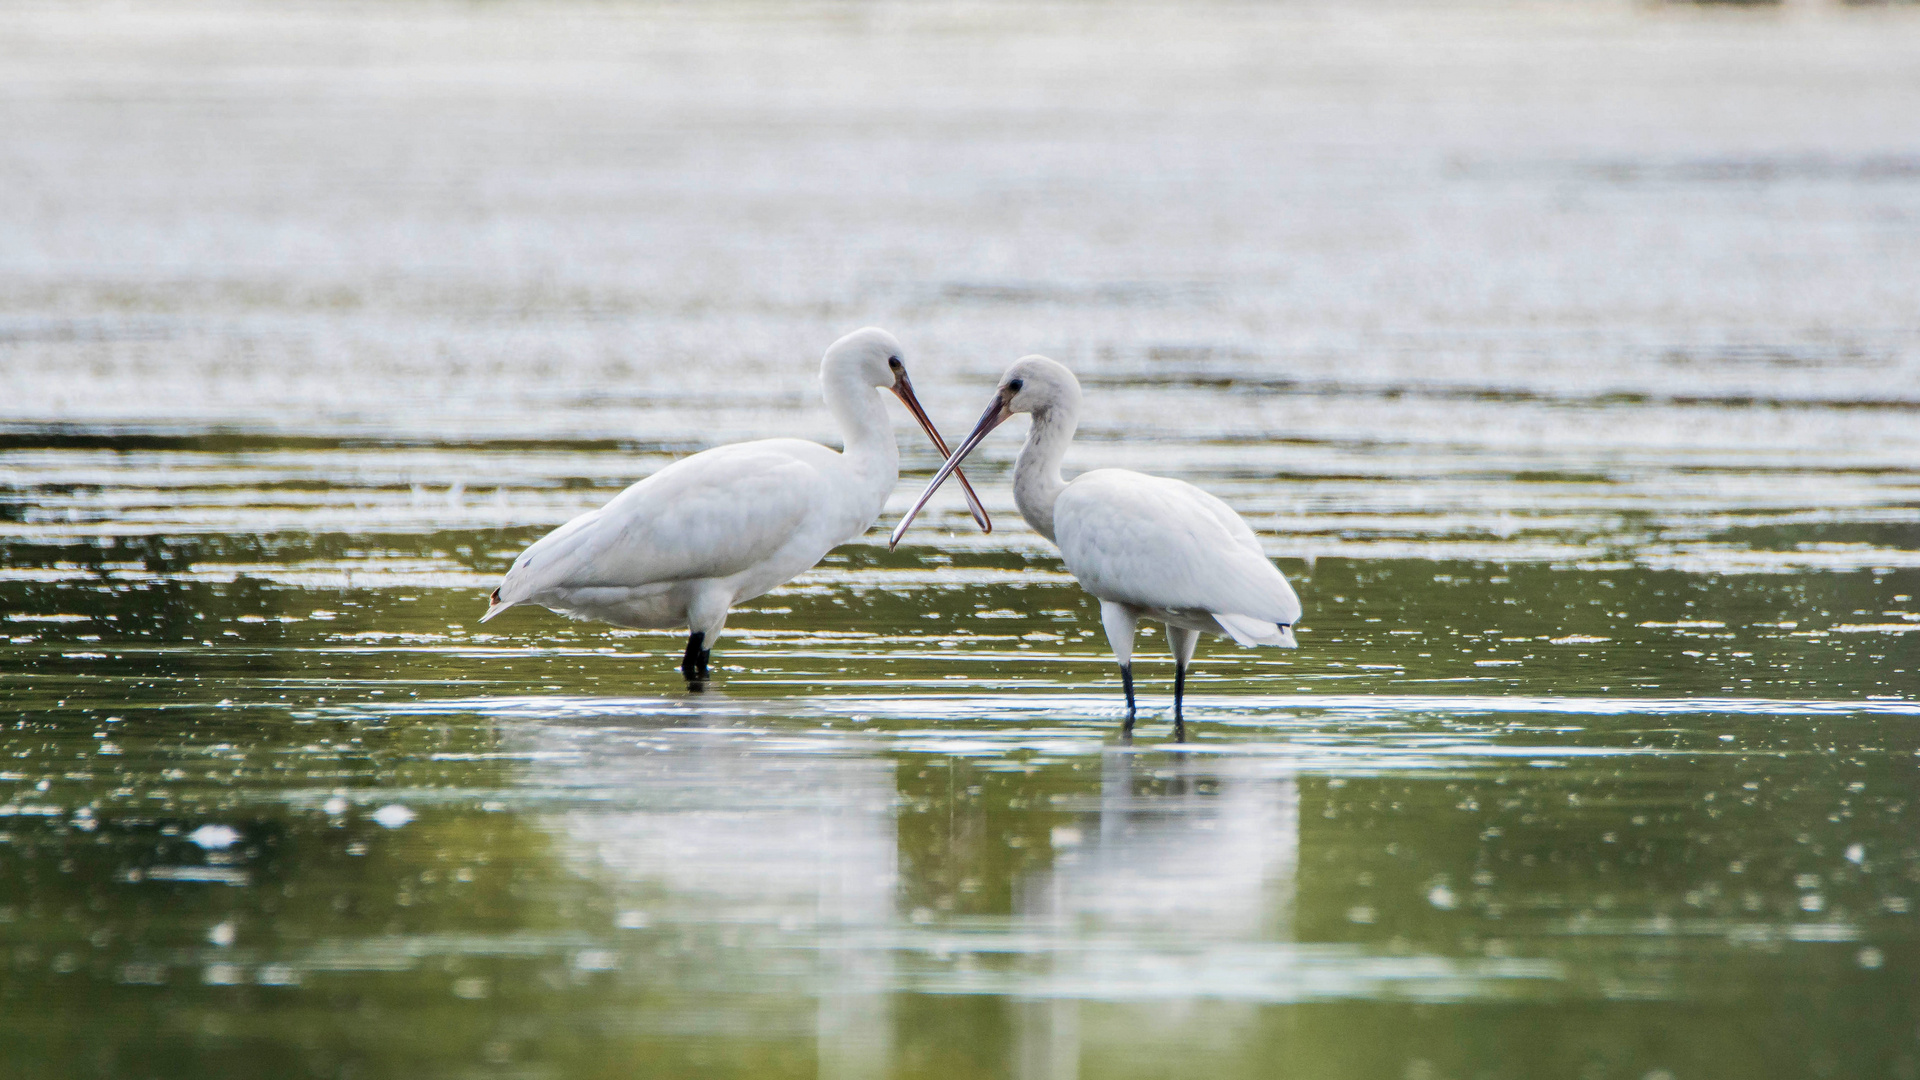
{"type": "Point", "coordinates": [1488, 821]}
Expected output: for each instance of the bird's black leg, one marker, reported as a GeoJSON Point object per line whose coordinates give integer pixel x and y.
{"type": "Point", "coordinates": [694, 664]}
{"type": "Point", "coordinates": [1126, 679]}
{"type": "Point", "coordinates": [1179, 689]}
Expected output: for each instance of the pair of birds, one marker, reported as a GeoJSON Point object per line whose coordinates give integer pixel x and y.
{"type": "Point", "coordinates": [726, 525]}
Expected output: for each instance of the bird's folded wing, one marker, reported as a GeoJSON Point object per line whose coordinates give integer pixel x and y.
{"type": "Point", "coordinates": [1159, 543]}
{"type": "Point", "coordinates": [711, 515]}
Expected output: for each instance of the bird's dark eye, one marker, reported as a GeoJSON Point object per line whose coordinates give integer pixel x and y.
{"type": "Point", "coordinates": [893, 362]}
{"type": "Point", "coordinates": [1015, 385]}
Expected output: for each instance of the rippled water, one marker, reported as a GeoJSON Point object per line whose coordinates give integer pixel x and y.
{"type": "Point", "coordinates": [1564, 356]}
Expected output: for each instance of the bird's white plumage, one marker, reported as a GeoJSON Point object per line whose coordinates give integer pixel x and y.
{"type": "Point", "coordinates": [728, 524]}
{"type": "Point", "coordinates": [1173, 552]}
{"type": "Point", "coordinates": [745, 518]}
{"type": "Point", "coordinates": [1145, 546]}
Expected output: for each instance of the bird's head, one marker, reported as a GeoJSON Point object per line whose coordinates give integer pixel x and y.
{"type": "Point", "coordinates": [1035, 384]}
{"type": "Point", "coordinates": [871, 356]}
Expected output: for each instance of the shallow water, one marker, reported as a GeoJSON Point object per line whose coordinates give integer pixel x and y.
{"type": "Point", "coordinates": [1565, 358]}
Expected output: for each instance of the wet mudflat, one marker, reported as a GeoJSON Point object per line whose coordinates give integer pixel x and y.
{"type": "Point", "coordinates": [1564, 358]}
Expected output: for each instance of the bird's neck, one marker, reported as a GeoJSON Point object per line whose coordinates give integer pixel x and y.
{"type": "Point", "coordinates": [867, 432]}
{"type": "Point", "coordinates": [1036, 474]}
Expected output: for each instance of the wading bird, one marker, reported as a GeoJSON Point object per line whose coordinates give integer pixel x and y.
{"type": "Point", "coordinates": [1146, 547]}
{"type": "Point", "coordinates": [728, 524]}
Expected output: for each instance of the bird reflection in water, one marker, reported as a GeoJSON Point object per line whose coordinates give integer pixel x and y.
{"type": "Point", "coordinates": [1184, 853]}
{"type": "Point", "coordinates": [727, 858]}
{"type": "Point", "coordinates": [760, 871]}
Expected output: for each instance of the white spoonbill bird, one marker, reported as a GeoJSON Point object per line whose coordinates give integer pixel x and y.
{"type": "Point", "coordinates": [1145, 546]}
{"type": "Point", "coordinates": [728, 524]}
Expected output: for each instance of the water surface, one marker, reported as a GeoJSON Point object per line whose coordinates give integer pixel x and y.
{"type": "Point", "coordinates": [1564, 358]}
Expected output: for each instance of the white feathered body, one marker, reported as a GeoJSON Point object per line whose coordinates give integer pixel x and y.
{"type": "Point", "coordinates": [720, 527]}
{"type": "Point", "coordinates": [1173, 553]}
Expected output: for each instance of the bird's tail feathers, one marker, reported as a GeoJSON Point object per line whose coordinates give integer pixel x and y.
{"type": "Point", "coordinates": [1248, 630]}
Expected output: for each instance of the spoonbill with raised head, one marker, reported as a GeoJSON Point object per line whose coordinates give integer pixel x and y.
{"type": "Point", "coordinates": [1145, 546]}
{"type": "Point", "coordinates": [728, 524]}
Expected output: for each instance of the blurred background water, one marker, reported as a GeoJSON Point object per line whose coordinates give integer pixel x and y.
{"type": "Point", "coordinates": [1565, 355]}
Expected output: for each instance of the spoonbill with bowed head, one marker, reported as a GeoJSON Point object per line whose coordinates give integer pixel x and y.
{"type": "Point", "coordinates": [1146, 547]}
{"type": "Point", "coordinates": [684, 545]}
